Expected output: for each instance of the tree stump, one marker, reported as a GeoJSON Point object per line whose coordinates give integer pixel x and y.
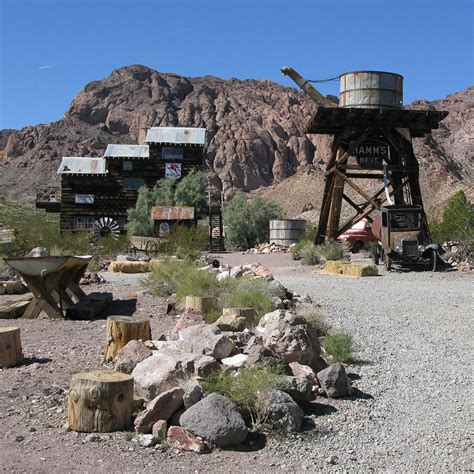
{"type": "Point", "coordinates": [10, 347]}
{"type": "Point", "coordinates": [201, 303]}
{"type": "Point", "coordinates": [100, 401]}
{"type": "Point", "coordinates": [122, 329]}
{"type": "Point", "coordinates": [248, 313]}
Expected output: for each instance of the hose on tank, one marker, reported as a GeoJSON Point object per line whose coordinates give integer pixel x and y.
{"type": "Point", "coordinates": [385, 184]}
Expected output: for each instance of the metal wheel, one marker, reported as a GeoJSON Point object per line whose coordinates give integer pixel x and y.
{"type": "Point", "coordinates": [357, 246]}
{"type": "Point", "coordinates": [388, 262]}
{"type": "Point", "coordinates": [103, 227]}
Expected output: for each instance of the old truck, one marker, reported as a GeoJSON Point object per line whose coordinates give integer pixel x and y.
{"type": "Point", "coordinates": [358, 236]}
{"type": "Point", "coordinates": [402, 239]}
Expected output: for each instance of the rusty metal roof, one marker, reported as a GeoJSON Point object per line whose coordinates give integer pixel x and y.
{"type": "Point", "coordinates": [176, 135]}
{"type": "Point", "coordinates": [82, 165]}
{"type": "Point", "coordinates": [127, 151]}
{"type": "Point", "coordinates": [172, 213]}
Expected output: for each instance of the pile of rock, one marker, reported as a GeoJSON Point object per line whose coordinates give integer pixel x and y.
{"type": "Point", "coordinates": [267, 248]}
{"type": "Point", "coordinates": [458, 256]}
{"type": "Point", "coordinates": [167, 379]}
{"type": "Point", "coordinates": [91, 279]}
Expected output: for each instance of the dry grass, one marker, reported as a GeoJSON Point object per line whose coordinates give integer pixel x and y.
{"type": "Point", "coordinates": [351, 269]}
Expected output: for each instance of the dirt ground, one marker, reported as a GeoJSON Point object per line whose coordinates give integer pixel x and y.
{"type": "Point", "coordinates": [33, 396]}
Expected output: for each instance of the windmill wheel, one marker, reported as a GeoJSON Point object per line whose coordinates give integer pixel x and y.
{"type": "Point", "coordinates": [103, 227]}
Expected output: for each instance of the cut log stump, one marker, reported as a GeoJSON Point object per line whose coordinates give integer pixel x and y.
{"type": "Point", "coordinates": [10, 347]}
{"type": "Point", "coordinates": [100, 401]}
{"type": "Point", "coordinates": [122, 329]}
{"type": "Point", "coordinates": [201, 303]}
{"type": "Point", "coordinates": [248, 313]}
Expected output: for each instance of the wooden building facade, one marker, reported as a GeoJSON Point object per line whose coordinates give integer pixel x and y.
{"type": "Point", "coordinates": [98, 190]}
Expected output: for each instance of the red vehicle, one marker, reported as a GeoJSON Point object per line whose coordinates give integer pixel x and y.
{"type": "Point", "coordinates": [358, 236]}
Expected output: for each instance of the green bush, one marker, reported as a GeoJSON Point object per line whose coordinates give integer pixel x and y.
{"type": "Point", "coordinates": [186, 242]}
{"type": "Point", "coordinates": [339, 347]}
{"type": "Point", "coordinates": [308, 238]}
{"type": "Point", "coordinates": [316, 319]}
{"type": "Point", "coordinates": [190, 191]}
{"type": "Point", "coordinates": [457, 223]}
{"type": "Point", "coordinates": [250, 389]}
{"type": "Point", "coordinates": [309, 254]}
{"type": "Point", "coordinates": [247, 221]}
{"type": "Point", "coordinates": [163, 280]}
{"type": "Point", "coordinates": [331, 250]}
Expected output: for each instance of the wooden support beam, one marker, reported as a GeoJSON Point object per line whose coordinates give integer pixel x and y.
{"type": "Point", "coordinates": [364, 176]}
{"type": "Point", "coordinates": [358, 189]}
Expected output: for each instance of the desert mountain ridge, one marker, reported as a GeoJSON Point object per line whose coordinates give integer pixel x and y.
{"type": "Point", "coordinates": [255, 136]}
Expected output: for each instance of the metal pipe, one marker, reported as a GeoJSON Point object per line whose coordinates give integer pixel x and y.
{"type": "Point", "coordinates": [385, 185]}
{"type": "Point", "coordinates": [306, 87]}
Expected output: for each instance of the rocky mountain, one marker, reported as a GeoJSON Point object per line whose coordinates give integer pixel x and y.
{"type": "Point", "coordinates": [255, 131]}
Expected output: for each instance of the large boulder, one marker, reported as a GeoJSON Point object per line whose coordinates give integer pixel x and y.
{"type": "Point", "coordinates": [299, 389]}
{"type": "Point", "coordinates": [231, 322]}
{"type": "Point", "coordinates": [217, 420]}
{"type": "Point", "coordinates": [190, 317]}
{"type": "Point", "coordinates": [283, 412]}
{"type": "Point", "coordinates": [334, 381]}
{"type": "Point", "coordinates": [206, 339]}
{"type": "Point", "coordinates": [304, 372]}
{"type": "Point", "coordinates": [130, 355]}
{"type": "Point", "coordinates": [165, 369]}
{"type": "Point", "coordinates": [160, 408]}
{"type": "Point", "coordinates": [289, 335]}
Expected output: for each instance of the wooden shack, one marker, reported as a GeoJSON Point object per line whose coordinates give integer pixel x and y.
{"type": "Point", "coordinates": [166, 218]}
{"type": "Point", "coordinates": [96, 193]}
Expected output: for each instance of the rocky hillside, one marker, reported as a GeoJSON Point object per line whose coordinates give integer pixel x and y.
{"type": "Point", "coordinates": [254, 128]}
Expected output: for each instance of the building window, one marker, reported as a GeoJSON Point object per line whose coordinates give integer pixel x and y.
{"type": "Point", "coordinates": [84, 199]}
{"type": "Point", "coordinates": [127, 166]}
{"type": "Point", "coordinates": [172, 154]}
{"type": "Point", "coordinates": [81, 222]}
{"type": "Point", "coordinates": [133, 183]}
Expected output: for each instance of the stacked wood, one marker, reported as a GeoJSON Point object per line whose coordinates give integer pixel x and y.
{"type": "Point", "coordinates": [122, 329]}
{"type": "Point", "coordinates": [15, 308]}
{"type": "Point", "coordinates": [201, 303]}
{"type": "Point", "coordinates": [11, 287]}
{"type": "Point", "coordinates": [89, 307]}
{"type": "Point", "coordinates": [100, 401]}
{"type": "Point", "coordinates": [10, 347]}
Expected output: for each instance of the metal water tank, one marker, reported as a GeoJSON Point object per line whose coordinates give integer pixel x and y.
{"type": "Point", "coordinates": [371, 90]}
{"type": "Point", "coordinates": [286, 231]}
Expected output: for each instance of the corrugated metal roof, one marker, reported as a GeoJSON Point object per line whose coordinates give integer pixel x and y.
{"type": "Point", "coordinates": [175, 213]}
{"type": "Point", "coordinates": [127, 151]}
{"type": "Point", "coordinates": [181, 135]}
{"type": "Point", "coordinates": [82, 165]}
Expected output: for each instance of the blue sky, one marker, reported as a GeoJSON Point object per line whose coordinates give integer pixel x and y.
{"type": "Point", "coordinates": [50, 49]}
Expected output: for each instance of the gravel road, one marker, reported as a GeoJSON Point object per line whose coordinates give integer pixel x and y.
{"type": "Point", "coordinates": [409, 411]}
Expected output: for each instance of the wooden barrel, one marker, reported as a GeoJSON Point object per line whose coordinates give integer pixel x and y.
{"type": "Point", "coordinates": [286, 231]}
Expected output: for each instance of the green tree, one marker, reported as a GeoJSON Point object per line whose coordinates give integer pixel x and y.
{"type": "Point", "coordinates": [247, 221]}
{"type": "Point", "coordinates": [139, 217]}
{"type": "Point", "coordinates": [191, 191]}
{"type": "Point", "coordinates": [457, 223]}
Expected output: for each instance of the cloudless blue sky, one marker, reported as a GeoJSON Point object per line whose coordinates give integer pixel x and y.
{"type": "Point", "coordinates": [50, 49]}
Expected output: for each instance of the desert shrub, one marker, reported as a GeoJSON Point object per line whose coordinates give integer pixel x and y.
{"type": "Point", "coordinates": [309, 254]}
{"type": "Point", "coordinates": [339, 347]}
{"type": "Point", "coordinates": [186, 242]}
{"type": "Point", "coordinates": [457, 223]}
{"type": "Point", "coordinates": [213, 315]}
{"type": "Point", "coordinates": [190, 191]}
{"type": "Point", "coordinates": [197, 282]}
{"type": "Point", "coordinates": [331, 250]}
{"type": "Point", "coordinates": [247, 221]}
{"type": "Point", "coordinates": [316, 319]}
{"type": "Point", "coordinates": [250, 389]}
{"type": "Point", "coordinates": [246, 293]}
{"type": "Point", "coordinates": [307, 238]}
{"type": "Point", "coordinates": [163, 280]}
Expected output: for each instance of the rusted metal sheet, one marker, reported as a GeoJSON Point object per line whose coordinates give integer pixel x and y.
{"type": "Point", "coordinates": [371, 90]}
{"type": "Point", "coordinates": [127, 151]}
{"type": "Point", "coordinates": [82, 165]}
{"type": "Point", "coordinates": [176, 135]}
{"type": "Point", "coordinates": [172, 213]}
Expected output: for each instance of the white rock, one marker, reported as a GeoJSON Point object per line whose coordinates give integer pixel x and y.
{"type": "Point", "coordinates": [235, 362]}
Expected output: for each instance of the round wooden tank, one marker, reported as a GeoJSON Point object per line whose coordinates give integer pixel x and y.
{"type": "Point", "coordinates": [286, 231]}
{"type": "Point", "coordinates": [371, 90]}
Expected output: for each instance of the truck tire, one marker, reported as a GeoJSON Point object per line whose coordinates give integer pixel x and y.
{"type": "Point", "coordinates": [388, 262]}
{"type": "Point", "coordinates": [357, 246]}
{"type": "Point", "coordinates": [434, 261]}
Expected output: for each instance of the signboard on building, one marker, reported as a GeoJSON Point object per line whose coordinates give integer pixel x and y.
{"type": "Point", "coordinates": [173, 170]}
{"type": "Point", "coordinates": [372, 153]}
{"type": "Point", "coordinates": [84, 199]}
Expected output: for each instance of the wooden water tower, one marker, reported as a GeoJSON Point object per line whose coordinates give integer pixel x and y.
{"type": "Point", "coordinates": [372, 141]}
